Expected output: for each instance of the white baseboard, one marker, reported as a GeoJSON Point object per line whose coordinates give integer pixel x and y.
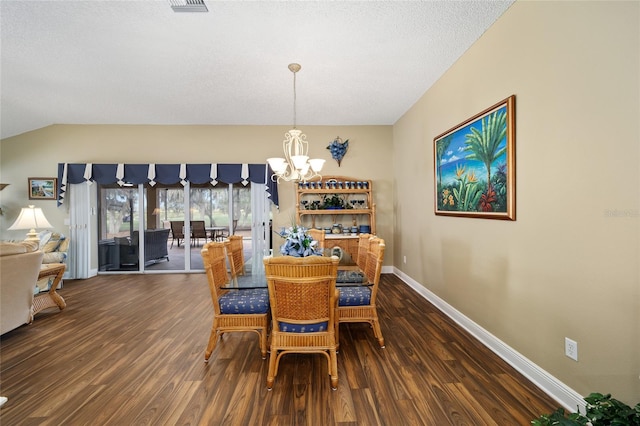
{"type": "Point", "coordinates": [92, 273]}
{"type": "Point", "coordinates": [553, 387]}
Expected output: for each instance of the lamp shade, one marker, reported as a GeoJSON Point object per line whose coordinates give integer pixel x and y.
{"type": "Point", "coordinates": [278, 165]}
{"type": "Point", "coordinates": [30, 218]}
{"type": "Point", "coordinates": [316, 164]}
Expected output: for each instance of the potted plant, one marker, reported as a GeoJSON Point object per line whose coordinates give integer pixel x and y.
{"type": "Point", "coordinates": [333, 202]}
{"type": "Point", "coordinates": [600, 410]}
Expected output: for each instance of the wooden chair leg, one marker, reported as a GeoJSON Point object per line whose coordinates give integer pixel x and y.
{"type": "Point", "coordinates": [333, 369]}
{"type": "Point", "coordinates": [336, 327]}
{"type": "Point", "coordinates": [377, 332]}
{"type": "Point", "coordinates": [263, 343]}
{"type": "Point", "coordinates": [213, 340]}
{"type": "Point", "coordinates": [271, 374]}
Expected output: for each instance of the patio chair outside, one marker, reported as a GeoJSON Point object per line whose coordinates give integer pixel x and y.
{"type": "Point", "coordinates": [198, 231]}
{"type": "Point", "coordinates": [177, 231]}
{"type": "Point", "coordinates": [128, 252]}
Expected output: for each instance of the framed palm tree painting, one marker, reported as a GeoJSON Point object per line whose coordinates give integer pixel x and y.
{"type": "Point", "coordinates": [474, 165]}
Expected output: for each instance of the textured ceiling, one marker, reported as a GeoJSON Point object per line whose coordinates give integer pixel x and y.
{"type": "Point", "coordinates": [138, 62]}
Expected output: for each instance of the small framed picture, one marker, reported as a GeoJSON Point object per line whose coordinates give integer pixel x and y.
{"type": "Point", "coordinates": [42, 188]}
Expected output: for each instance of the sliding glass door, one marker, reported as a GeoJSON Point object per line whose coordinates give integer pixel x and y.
{"type": "Point", "coordinates": [164, 236]}
{"type": "Point", "coordinates": [118, 220]}
{"type": "Point", "coordinates": [162, 228]}
{"type": "Point", "coordinates": [220, 210]}
{"type": "Point", "coordinates": [209, 210]}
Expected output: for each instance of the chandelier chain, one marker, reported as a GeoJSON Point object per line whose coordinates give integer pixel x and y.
{"type": "Point", "coordinates": [294, 99]}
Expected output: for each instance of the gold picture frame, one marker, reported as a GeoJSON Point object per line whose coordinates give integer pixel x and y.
{"type": "Point", "coordinates": [474, 165]}
{"type": "Point", "coordinates": [42, 188]}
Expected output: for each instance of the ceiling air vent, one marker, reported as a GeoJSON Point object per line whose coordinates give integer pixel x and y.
{"type": "Point", "coordinates": [188, 6]}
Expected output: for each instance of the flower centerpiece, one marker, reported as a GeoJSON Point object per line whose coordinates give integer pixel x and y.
{"type": "Point", "coordinates": [298, 242]}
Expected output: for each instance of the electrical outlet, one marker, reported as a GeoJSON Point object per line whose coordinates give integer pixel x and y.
{"type": "Point", "coordinates": [405, 260]}
{"type": "Point", "coordinates": [571, 348]}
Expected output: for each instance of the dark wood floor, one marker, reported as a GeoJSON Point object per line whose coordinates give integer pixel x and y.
{"type": "Point", "coordinates": [129, 350]}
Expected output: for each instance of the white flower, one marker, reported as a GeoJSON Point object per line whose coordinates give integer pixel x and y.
{"type": "Point", "coordinates": [298, 243]}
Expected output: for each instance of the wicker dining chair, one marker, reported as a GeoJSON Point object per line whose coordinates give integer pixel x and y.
{"type": "Point", "coordinates": [355, 274]}
{"type": "Point", "coordinates": [235, 253]}
{"type": "Point", "coordinates": [357, 303]}
{"type": "Point", "coordinates": [233, 310]}
{"type": "Point", "coordinates": [303, 300]}
{"type": "Point", "coordinates": [363, 250]}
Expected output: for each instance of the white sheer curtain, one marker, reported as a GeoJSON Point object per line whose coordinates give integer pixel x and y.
{"type": "Point", "coordinates": [260, 235]}
{"type": "Point", "coordinates": [79, 199]}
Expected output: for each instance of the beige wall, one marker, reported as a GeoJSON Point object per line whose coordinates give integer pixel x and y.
{"type": "Point", "coordinates": [569, 264]}
{"type": "Point", "coordinates": [567, 267]}
{"type": "Point", "coordinates": [37, 153]}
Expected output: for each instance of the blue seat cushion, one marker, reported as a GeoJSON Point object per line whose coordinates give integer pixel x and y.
{"type": "Point", "coordinates": [355, 296]}
{"type": "Point", "coordinates": [303, 328]}
{"type": "Point", "coordinates": [350, 276]}
{"type": "Point", "coordinates": [250, 301]}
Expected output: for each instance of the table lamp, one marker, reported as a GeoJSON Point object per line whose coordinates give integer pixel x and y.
{"type": "Point", "coordinates": [31, 218]}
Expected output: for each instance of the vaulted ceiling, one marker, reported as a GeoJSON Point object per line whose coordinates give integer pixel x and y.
{"type": "Point", "coordinates": [139, 62]}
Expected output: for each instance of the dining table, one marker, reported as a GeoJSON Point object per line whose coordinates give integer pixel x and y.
{"type": "Point", "coordinates": [254, 275]}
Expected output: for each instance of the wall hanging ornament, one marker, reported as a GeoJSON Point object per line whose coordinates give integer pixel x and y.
{"type": "Point", "coordinates": [338, 149]}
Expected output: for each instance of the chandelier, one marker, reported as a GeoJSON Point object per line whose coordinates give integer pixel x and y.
{"type": "Point", "coordinates": [296, 166]}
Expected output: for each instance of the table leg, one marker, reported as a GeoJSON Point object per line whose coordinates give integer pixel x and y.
{"type": "Point", "coordinates": [57, 299]}
{"type": "Point", "coordinates": [51, 298]}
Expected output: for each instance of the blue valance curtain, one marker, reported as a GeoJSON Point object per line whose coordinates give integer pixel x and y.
{"type": "Point", "coordinates": [74, 173]}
